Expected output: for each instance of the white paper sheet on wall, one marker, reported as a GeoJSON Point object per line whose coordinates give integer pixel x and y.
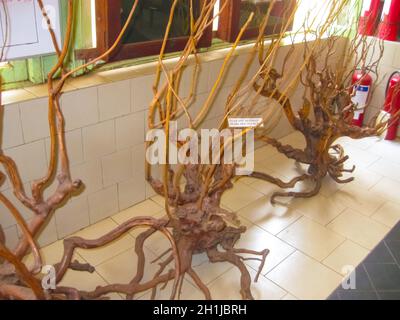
{"type": "Point", "coordinates": [25, 30]}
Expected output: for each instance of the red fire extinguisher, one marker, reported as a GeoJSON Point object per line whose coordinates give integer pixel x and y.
{"type": "Point", "coordinates": [362, 84]}
{"type": "Point", "coordinates": [392, 105]}
{"type": "Point", "coordinates": [390, 21]}
{"type": "Point", "coordinates": [370, 15]}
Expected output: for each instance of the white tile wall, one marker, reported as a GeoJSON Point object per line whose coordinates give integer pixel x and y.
{"type": "Point", "coordinates": [35, 125]}
{"type": "Point", "coordinates": [12, 131]}
{"type": "Point", "coordinates": [6, 218]}
{"type": "Point", "coordinates": [25, 212]}
{"type": "Point", "coordinates": [99, 140]}
{"type": "Point", "coordinates": [130, 130]}
{"type": "Point", "coordinates": [390, 62]}
{"type": "Point", "coordinates": [73, 140]}
{"type": "Point", "coordinates": [109, 108]}
{"type": "Point", "coordinates": [142, 92]}
{"type": "Point", "coordinates": [80, 108]}
{"type": "Point", "coordinates": [90, 173]}
{"type": "Point", "coordinates": [72, 217]}
{"type": "Point", "coordinates": [30, 159]}
{"type": "Point", "coordinates": [131, 191]}
{"type": "Point", "coordinates": [103, 204]}
{"type": "Point", "coordinates": [138, 158]}
{"type": "Point", "coordinates": [48, 233]}
{"type": "Point", "coordinates": [117, 167]}
{"type": "Point", "coordinates": [11, 236]}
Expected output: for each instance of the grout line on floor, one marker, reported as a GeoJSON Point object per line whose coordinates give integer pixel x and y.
{"type": "Point", "coordinates": [263, 275]}
{"type": "Point", "coordinates": [280, 263]}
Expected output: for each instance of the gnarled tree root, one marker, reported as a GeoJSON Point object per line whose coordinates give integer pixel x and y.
{"type": "Point", "coordinates": [331, 164]}
{"type": "Point", "coordinates": [31, 289]}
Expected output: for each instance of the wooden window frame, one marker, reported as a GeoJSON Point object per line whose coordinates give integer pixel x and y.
{"type": "Point", "coordinates": [229, 22]}
{"type": "Point", "coordinates": [108, 25]}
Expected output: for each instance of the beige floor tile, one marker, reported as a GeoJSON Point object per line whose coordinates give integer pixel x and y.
{"type": "Point", "coordinates": [319, 208]}
{"type": "Point", "coordinates": [52, 254]}
{"type": "Point", "coordinates": [269, 189]}
{"type": "Point", "coordinates": [246, 180]}
{"type": "Point", "coordinates": [97, 256]}
{"type": "Point", "coordinates": [347, 254]}
{"type": "Point", "coordinates": [304, 277]}
{"type": "Point", "coordinates": [272, 218]}
{"type": "Point", "coordinates": [364, 178]}
{"type": "Point", "coordinates": [239, 196]}
{"type": "Point", "coordinates": [264, 153]}
{"type": "Point", "coordinates": [258, 239]}
{"type": "Point", "coordinates": [387, 149]}
{"type": "Point", "coordinates": [289, 297]}
{"type": "Point", "coordinates": [87, 282]}
{"type": "Point", "coordinates": [388, 214]}
{"type": "Point", "coordinates": [206, 270]}
{"type": "Point", "coordinates": [285, 166]}
{"type": "Point", "coordinates": [295, 139]}
{"type": "Point", "coordinates": [359, 199]}
{"type": "Point", "coordinates": [83, 280]}
{"type": "Point", "coordinates": [145, 208]}
{"type": "Point", "coordinates": [368, 143]}
{"type": "Point", "coordinates": [260, 166]}
{"type": "Point", "coordinates": [359, 157]}
{"type": "Point", "coordinates": [329, 187]}
{"type": "Point", "coordinates": [387, 188]}
{"type": "Point", "coordinates": [264, 289]}
{"type": "Point", "coordinates": [159, 200]}
{"type": "Point", "coordinates": [264, 187]}
{"type": "Point", "coordinates": [123, 267]}
{"type": "Point", "coordinates": [157, 242]}
{"type": "Point", "coordinates": [189, 292]}
{"type": "Point", "coordinates": [151, 240]}
{"type": "Point", "coordinates": [386, 168]}
{"type": "Point", "coordinates": [310, 237]}
{"type": "Point", "coordinates": [359, 228]}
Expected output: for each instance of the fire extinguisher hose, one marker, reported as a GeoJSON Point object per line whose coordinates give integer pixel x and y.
{"type": "Point", "coordinates": [390, 78]}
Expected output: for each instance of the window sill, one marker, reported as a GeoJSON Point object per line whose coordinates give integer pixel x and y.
{"type": "Point", "coordinates": [124, 70]}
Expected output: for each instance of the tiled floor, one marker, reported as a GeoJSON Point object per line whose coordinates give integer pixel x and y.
{"type": "Point", "coordinates": [378, 276]}
{"type": "Point", "coordinates": [312, 241]}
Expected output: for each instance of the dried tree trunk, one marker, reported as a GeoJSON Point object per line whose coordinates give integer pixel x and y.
{"type": "Point", "coordinates": [326, 114]}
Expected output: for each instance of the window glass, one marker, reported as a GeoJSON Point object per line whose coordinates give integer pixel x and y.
{"type": "Point", "coordinates": [260, 8]}
{"type": "Point", "coordinates": [151, 19]}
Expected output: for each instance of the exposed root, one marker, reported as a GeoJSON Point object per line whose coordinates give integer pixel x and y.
{"type": "Point", "coordinates": [200, 284]}
{"type": "Point", "coordinates": [304, 194]}
{"type": "Point", "coordinates": [134, 287]}
{"type": "Point", "coordinates": [266, 177]}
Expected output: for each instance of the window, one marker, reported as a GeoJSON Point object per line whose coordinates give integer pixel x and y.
{"type": "Point", "coordinates": [146, 31]}
{"type": "Point", "coordinates": [315, 11]}
{"type": "Point", "coordinates": [237, 12]}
